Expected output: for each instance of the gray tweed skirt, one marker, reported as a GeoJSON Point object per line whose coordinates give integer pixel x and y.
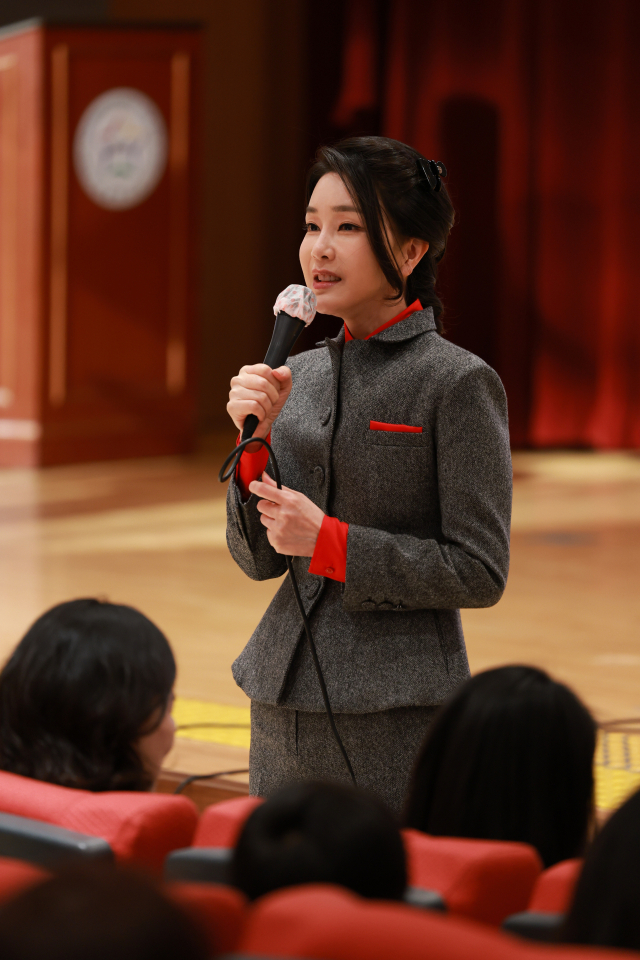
{"type": "Point", "coordinates": [291, 745]}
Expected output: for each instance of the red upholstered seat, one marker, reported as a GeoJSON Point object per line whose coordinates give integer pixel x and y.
{"type": "Point", "coordinates": [220, 911]}
{"type": "Point", "coordinates": [16, 876]}
{"type": "Point", "coordinates": [142, 827]}
{"type": "Point", "coordinates": [334, 924]}
{"type": "Point", "coordinates": [221, 823]}
{"type": "Point", "coordinates": [328, 923]}
{"type": "Point", "coordinates": [486, 880]}
{"type": "Point", "coordinates": [553, 890]}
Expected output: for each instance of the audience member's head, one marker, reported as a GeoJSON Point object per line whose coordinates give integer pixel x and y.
{"type": "Point", "coordinates": [321, 833]}
{"type": "Point", "coordinates": [102, 914]}
{"type": "Point", "coordinates": [605, 909]}
{"type": "Point", "coordinates": [85, 699]}
{"type": "Point", "coordinates": [508, 757]}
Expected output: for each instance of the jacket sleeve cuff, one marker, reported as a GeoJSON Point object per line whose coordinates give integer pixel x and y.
{"type": "Point", "coordinates": [330, 555]}
{"type": "Point", "coordinates": [250, 467]}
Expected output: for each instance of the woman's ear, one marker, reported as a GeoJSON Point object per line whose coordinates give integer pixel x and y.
{"type": "Point", "coordinates": [413, 252]}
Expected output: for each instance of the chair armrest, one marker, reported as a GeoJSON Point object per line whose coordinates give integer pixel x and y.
{"type": "Point", "coordinates": [199, 864]}
{"type": "Point", "coordinates": [424, 899]}
{"type": "Point", "coordinates": [534, 926]}
{"type": "Point", "coordinates": [46, 844]}
{"type": "Point", "coordinates": [211, 865]}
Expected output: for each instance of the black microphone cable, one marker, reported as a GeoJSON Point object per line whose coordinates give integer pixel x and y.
{"type": "Point", "coordinates": [225, 474]}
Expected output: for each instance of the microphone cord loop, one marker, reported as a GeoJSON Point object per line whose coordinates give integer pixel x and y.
{"type": "Point", "coordinates": [226, 472]}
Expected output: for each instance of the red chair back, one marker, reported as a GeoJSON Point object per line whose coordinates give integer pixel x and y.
{"type": "Point", "coordinates": [221, 823]}
{"type": "Point", "coordinates": [140, 827]}
{"type": "Point", "coordinates": [220, 912]}
{"type": "Point", "coordinates": [328, 923]}
{"type": "Point", "coordinates": [485, 880]}
{"type": "Point", "coordinates": [554, 888]}
{"type": "Point", "coordinates": [16, 876]}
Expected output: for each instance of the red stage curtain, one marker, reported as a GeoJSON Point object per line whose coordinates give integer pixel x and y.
{"type": "Point", "coordinates": [535, 107]}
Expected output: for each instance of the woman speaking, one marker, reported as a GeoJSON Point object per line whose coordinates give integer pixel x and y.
{"type": "Point", "coordinates": [394, 453]}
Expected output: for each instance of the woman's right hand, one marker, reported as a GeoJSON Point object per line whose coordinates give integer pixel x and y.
{"type": "Point", "coordinates": [259, 390]}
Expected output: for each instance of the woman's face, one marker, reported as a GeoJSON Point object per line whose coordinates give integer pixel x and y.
{"type": "Point", "coordinates": [153, 747]}
{"type": "Point", "coordinates": [336, 257]}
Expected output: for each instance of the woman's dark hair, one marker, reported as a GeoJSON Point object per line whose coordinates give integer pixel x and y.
{"type": "Point", "coordinates": [605, 910]}
{"type": "Point", "coordinates": [86, 681]}
{"type": "Point", "coordinates": [508, 757]}
{"type": "Point", "coordinates": [384, 177]}
{"type": "Point", "coordinates": [98, 912]}
{"type": "Point", "coordinates": [321, 833]}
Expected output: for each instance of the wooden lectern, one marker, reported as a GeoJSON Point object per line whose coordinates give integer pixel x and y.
{"type": "Point", "coordinates": [99, 198]}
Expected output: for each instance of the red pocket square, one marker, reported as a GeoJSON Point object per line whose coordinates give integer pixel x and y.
{"type": "Point", "coordinates": [393, 427]}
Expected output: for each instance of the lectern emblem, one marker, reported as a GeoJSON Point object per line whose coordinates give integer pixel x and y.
{"type": "Point", "coordinates": [120, 148]}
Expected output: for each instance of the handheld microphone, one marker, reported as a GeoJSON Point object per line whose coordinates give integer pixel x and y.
{"type": "Point", "coordinates": [294, 308]}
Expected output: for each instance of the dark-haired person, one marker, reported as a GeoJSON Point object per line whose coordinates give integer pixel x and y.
{"type": "Point", "coordinates": [86, 697]}
{"type": "Point", "coordinates": [321, 833]}
{"type": "Point", "coordinates": [98, 912]}
{"type": "Point", "coordinates": [605, 909]}
{"type": "Point", "coordinates": [508, 757]}
{"type": "Point", "coordinates": [394, 450]}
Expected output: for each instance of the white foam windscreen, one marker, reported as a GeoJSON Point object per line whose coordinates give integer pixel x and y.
{"type": "Point", "coordinates": [297, 301]}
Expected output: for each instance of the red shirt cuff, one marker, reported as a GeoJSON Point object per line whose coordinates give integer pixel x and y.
{"type": "Point", "coordinates": [330, 555]}
{"type": "Point", "coordinates": [251, 467]}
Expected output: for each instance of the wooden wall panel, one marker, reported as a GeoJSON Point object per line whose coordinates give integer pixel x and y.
{"type": "Point", "coordinates": [21, 197]}
{"type": "Point", "coordinates": [107, 332]}
{"type": "Point", "coordinates": [126, 280]}
{"type": "Point", "coordinates": [9, 148]}
{"type": "Point", "coordinates": [118, 323]}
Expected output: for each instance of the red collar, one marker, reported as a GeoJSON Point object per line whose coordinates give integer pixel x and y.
{"type": "Point", "coordinates": [416, 305]}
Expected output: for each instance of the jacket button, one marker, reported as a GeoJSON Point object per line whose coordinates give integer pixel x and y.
{"type": "Point", "coordinates": [326, 416]}
{"type": "Point", "coordinates": [329, 570]}
{"type": "Point", "coordinates": [319, 474]}
{"type": "Point", "coordinates": [386, 605]}
{"type": "Point", "coordinates": [368, 605]}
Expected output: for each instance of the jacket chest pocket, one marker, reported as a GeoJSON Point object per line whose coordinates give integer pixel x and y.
{"type": "Point", "coordinates": [383, 434]}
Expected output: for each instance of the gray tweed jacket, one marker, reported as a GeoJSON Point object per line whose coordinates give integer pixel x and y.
{"type": "Point", "coordinates": [428, 516]}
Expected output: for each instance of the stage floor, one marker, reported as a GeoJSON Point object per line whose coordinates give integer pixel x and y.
{"type": "Point", "coordinates": [151, 533]}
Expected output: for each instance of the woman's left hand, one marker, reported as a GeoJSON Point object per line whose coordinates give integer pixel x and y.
{"type": "Point", "coordinates": [292, 520]}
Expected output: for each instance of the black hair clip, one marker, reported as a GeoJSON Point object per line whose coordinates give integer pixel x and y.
{"type": "Point", "coordinates": [432, 170]}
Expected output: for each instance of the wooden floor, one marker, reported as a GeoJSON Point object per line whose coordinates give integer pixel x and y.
{"type": "Point", "coordinates": [151, 533]}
